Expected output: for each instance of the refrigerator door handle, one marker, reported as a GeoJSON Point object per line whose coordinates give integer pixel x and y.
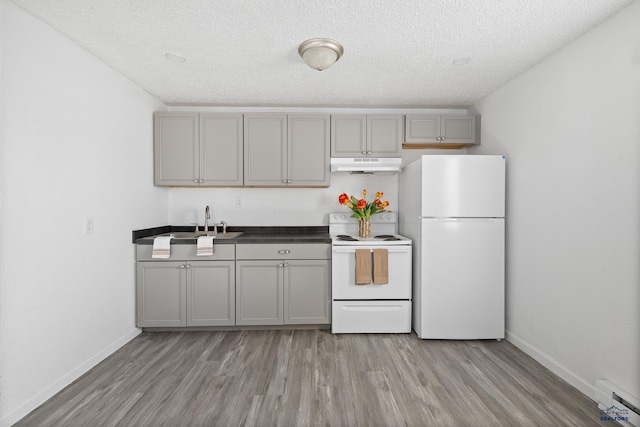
{"type": "Point", "coordinates": [433, 218]}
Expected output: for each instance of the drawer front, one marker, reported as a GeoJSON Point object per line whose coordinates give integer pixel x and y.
{"type": "Point", "coordinates": [371, 317]}
{"type": "Point", "coordinates": [226, 251]}
{"type": "Point", "coordinates": [284, 251]}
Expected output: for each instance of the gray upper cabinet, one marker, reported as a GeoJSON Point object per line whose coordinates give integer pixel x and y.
{"type": "Point", "coordinates": [221, 149]}
{"type": "Point", "coordinates": [440, 129]}
{"type": "Point", "coordinates": [198, 149]}
{"type": "Point", "coordinates": [176, 149]}
{"type": "Point", "coordinates": [360, 135]}
{"type": "Point", "coordinates": [309, 141]}
{"type": "Point", "coordinates": [286, 150]}
{"type": "Point", "coordinates": [265, 149]}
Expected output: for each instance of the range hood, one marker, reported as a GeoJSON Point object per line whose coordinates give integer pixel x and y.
{"type": "Point", "coordinates": [366, 164]}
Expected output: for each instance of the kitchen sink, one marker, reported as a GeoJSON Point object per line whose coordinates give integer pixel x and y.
{"type": "Point", "coordinates": [194, 235]}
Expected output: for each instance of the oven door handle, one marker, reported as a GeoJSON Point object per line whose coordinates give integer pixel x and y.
{"type": "Point", "coordinates": [352, 249]}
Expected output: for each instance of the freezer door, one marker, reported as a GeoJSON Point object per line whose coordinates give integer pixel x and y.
{"type": "Point", "coordinates": [463, 186]}
{"type": "Point", "coordinates": [462, 279]}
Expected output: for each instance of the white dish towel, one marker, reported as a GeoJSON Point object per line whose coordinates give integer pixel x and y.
{"type": "Point", "coordinates": [205, 245]}
{"type": "Point", "coordinates": [162, 247]}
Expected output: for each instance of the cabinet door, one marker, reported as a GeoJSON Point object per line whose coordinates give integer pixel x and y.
{"type": "Point", "coordinates": [309, 138]}
{"type": "Point", "coordinates": [160, 294]}
{"type": "Point", "coordinates": [307, 292]}
{"type": "Point", "coordinates": [176, 156]}
{"type": "Point", "coordinates": [349, 135]}
{"type": "Point", "coordinates": [221, 158]}
{"type": "Point", "coordinates": [384, 135]}
{"type": "Point", "coordinates": [259, 290]}
{"type": "Point", "coordinates": [458, 129]}
{"type": "Point", "coordinates": [211, 298]}
{"type": "Point", "coordinates": [265, 149]}
{"type": "Point", "coordinates": [431, 129]}
{"type": "Point", "coordinates": [420, 128]}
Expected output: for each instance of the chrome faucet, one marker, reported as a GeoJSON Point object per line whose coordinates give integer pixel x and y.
{"type": "Point", "coordinates": [207, 217]}
{"type": "Point", "coordinates": [224, 227]}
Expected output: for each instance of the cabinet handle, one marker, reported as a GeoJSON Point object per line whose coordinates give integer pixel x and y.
{"type": "Point", "coordinates": [201, 181]}
{"type": "Point", "coordinates": [284, 251]}
{"type": "Point", "coordinates": [285, 264]}
{"type": "Point", "coordinates": [188, 266]}
{"type": "Point", "coordinates": [182, 266]}
{"type": "Point", "coordinates": [196, 180]}
{"type": "Point", "coordinates": [368, 152]}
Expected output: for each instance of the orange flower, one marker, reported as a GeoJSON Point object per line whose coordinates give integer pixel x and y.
{"type": "Point", "coordinates": [361, 209]}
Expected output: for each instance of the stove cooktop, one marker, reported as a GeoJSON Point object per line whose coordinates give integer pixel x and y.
{"type": "Point", "coordinates": [377, 239]}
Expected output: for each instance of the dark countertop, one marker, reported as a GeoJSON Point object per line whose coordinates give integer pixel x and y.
{"type": "Point", "coordinates": [315, 234]}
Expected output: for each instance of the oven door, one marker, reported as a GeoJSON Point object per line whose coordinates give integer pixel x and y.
{"type": "Point", "coordinates": [343, 272]}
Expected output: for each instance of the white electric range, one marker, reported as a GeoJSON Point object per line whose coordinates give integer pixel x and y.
{"type": "Point", "coordinates": [371, 308]}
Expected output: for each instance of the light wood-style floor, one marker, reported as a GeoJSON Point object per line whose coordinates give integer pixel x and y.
{"type": "Point", "coordinates": [314, 378]}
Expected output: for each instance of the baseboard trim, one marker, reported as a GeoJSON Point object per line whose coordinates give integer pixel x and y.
{"type": "Point", "coordinates": [29, 405]}
{"type": "Point", "coordinates": [554, 366]}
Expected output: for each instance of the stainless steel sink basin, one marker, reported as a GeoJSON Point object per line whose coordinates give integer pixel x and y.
{"type": "Point", "coordinates": [194, 235]}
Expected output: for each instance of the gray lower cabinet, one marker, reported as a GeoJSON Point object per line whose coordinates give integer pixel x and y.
{"type": "Point", "coordinates": [161, 294]}
{"type": "Point", "coordinates": [286, 150]}
{"type": "Point", "coordinates": [307, 291]}
{"type": "Point", "coordinates": [259, 288]}
{"type": "Point", "coordinates": [211, 293]}
{"type": "Point", "coordinates": [198, 149]}
{"type": "Point", "coordinates": [185, 291]}
{"type": "Point", "coordinates": [272, 291]}
{"type": "Point", "coordinates": [361, 135]}
{"type": "Point", "coordinates": [268, 284]}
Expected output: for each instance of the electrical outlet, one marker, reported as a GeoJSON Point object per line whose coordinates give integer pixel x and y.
{"type": "Point", "coordinates": [238, 202]}
{"type": "Point", "coordinates": [88, 225]}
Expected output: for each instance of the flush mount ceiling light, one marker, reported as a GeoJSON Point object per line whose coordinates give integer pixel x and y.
{"type": "Point", "coordinates": [174, 57]}
{"type": "Point", "coordinates": [462, 61]}
{"type": "Point", "coordinates": [319, 53]}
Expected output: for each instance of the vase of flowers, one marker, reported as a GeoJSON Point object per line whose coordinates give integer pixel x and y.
{"type": "Point", "coordinates": [363, 210]}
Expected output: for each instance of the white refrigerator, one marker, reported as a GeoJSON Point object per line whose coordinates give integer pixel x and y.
{"type": "Point", "coordinates": [452, 207]}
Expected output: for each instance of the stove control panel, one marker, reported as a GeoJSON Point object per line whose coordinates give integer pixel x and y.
{"type": "Point", "coordinates": [345, 218]}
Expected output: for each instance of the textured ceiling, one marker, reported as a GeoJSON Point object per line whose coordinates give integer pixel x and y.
{"type": "Point", "coordinates": [397, 53]}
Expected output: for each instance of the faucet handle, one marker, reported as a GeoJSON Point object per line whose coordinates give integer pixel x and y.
{"type": "Point", "coordinates": [196, 224]}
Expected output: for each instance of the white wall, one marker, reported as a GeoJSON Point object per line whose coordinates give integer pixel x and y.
{"type": "Point", "coordinates": [571, 130]}
{"type": "Point", "coordinates": [284, 206]}
{"type": "Point", "coordinates": [77, 142]}
{"type": "Point", "coordinates": [276, 206]}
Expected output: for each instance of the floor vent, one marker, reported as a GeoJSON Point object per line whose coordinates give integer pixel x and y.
{"type": "Point", "coordinates": [617, 405]}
